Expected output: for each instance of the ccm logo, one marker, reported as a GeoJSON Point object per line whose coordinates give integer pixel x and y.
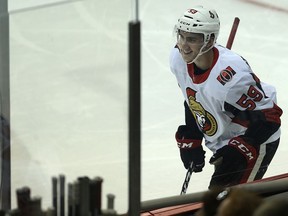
{"type": "Point", "coordinates": [245, 151]}
{"type": "Point", "coordinates": [185, 145]}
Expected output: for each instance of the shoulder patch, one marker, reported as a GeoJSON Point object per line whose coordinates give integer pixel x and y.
{"type": "Point", "coordinates": [226, 75]}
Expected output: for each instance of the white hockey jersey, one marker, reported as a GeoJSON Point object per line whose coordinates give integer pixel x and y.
{"type": "Point", "coordinates": [230, 80]}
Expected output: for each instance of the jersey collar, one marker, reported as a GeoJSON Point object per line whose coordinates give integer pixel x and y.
{"type": "Point", "coordinates": [200, 78]}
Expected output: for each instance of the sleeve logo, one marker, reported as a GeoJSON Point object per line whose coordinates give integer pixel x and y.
{"type": "Point", "coordinates": [226, 75]}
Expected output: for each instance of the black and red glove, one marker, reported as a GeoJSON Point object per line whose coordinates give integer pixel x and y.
{"type": "Point", "coordinates": [233, 160]}
{"type": "Point", "coordinates": [191, 149]}
{"type": "Point", "coordinates": [237, 149]}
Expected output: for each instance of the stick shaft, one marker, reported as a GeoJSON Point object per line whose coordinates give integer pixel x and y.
{"type": "Point", "coordinates": [233, 33]}
{"type": "Point", "coordinates": [187, 179]}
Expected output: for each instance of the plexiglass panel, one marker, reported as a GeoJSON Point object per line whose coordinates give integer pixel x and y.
{"type": "Point", "coordinates": [69, 96]}
{"type": "Point", "coordinates": [69, 90]}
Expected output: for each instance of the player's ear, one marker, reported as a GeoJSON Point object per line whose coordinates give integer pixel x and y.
{"type": "Point", "coordinates": [210, 42]}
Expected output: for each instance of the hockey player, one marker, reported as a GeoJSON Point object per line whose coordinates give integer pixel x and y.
{"type": "Point", "coordinates": [226, 104]}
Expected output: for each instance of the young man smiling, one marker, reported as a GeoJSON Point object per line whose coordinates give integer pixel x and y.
{"type": "Point", "coordinates": [226, 104]}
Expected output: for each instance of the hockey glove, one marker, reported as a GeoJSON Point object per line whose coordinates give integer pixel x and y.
{"type": "Point", "coordinates": [232, 160]}
{"type": "Point", "coordinates": [190, 149]}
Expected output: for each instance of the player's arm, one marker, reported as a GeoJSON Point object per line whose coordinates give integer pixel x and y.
{"type": "Point", "coordinates": [261, 124]}
{"type": "Point", "coordinates": [189, 140]}
{"type": "Point", "coordinates": [244, 150]}
{"type": "Point", "coordinates": [253, 109]}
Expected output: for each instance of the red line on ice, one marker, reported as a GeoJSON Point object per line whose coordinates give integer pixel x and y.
{"type": "Point", "coordinates": [266, 5]}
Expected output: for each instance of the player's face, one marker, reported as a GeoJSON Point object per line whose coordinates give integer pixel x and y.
{"type": "Point", "coordinates": [189, 44]}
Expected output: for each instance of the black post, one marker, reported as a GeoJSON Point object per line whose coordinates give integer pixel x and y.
{"type": "Point", "coordinates": [134, 119]}
{"type": "Point", "coordinates": [55, 195]}
{"type": "Point", "coordinates": [5, 155]}
{"type": "Point", "coordinates": [96, 196]}
{"type": "Point", "coordinates": [84, 195]}
{"type": "Point", "coordinates": [62, 195]}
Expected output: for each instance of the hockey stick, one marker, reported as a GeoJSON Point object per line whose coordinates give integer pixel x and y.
{"type": "Point", "coordinates": [233, 32]}
{"type": "Point", "coordinates": [187, 179]}
{"type": "Point", "coordinates": [229, 46]}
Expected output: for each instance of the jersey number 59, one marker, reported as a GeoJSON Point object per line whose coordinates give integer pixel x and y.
{"type": "Point", "coordinates": [248, 100]}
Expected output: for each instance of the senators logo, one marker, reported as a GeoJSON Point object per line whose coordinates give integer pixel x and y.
{"type": "Point", "coordinates": [204, 119]}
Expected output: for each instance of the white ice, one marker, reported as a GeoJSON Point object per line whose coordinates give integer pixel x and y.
{"type": "Point", "coordinates": [69, 90]}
